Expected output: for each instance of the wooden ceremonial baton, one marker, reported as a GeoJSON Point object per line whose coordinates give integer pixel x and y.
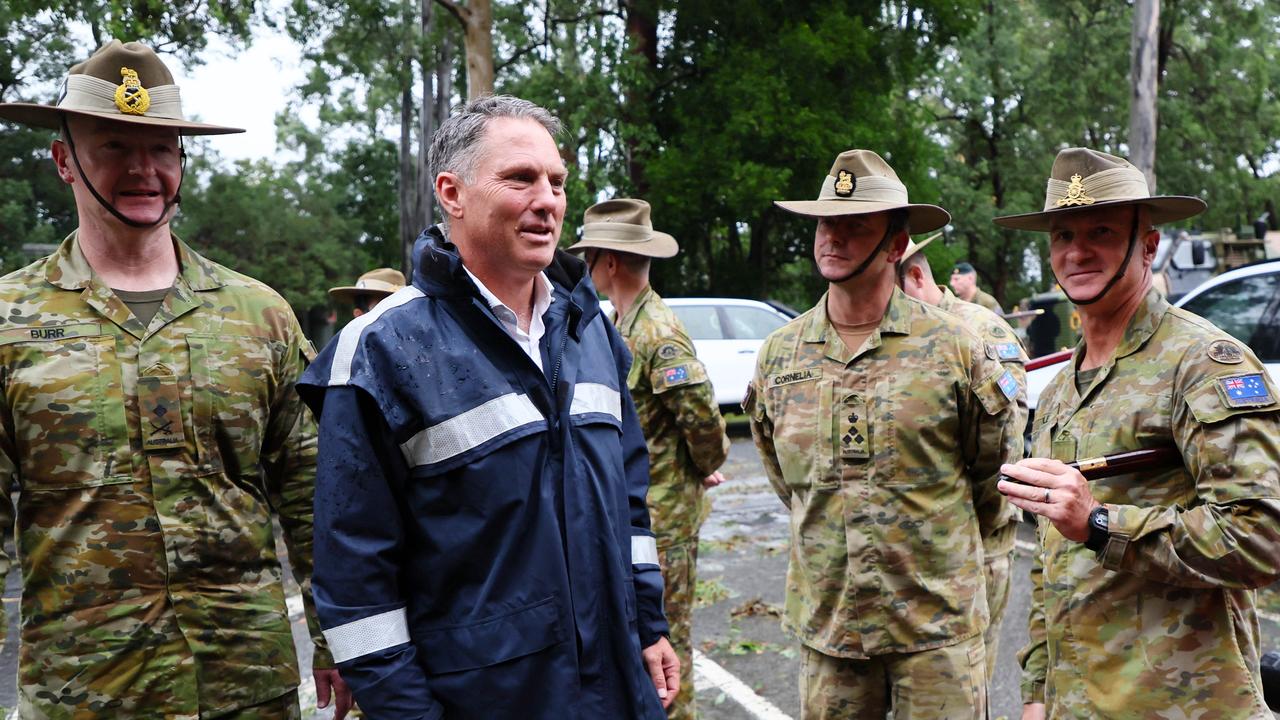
{"type": "Point", "coordinates": [1147, 459]}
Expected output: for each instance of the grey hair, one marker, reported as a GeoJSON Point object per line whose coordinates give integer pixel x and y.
{"type": "Point", "coordinates": [455, 146]}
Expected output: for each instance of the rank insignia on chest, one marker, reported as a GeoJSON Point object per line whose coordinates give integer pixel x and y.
{"type": "Point", "coordinates": [676, 374]}
{"type": "Point", "coordinates": [1008, 385]}
{"type": "Point", "coordinates": [161, 409]}
{"type": "Point", "coordinates": [1246, 390]}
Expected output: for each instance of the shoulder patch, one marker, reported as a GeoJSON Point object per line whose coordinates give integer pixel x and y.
{"type": "Point", "coordinates": [1008, 351]}
{"type": "Point", "coordinates": [668, 352]}
{"type": "Point", "coordinates": [795, 376]}
{"type": "Point", "coordinates": [1226, 352]}
{"type": "Point", "coordinates": [997, 331]}
{"type": "Point", "coordinates": [676, 374]}
{"type": "Point", "coordinates": [1245, 391]}
{"type": "Point", "coordinates": [1008, 385]}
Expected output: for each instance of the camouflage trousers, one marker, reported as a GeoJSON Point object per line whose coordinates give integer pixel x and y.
{"type": "Point", "coordinates": [946, 683]}
{"type": "Point", "coordinates": [284, 707]}
{"type": "Point", "coordinates": [997, 570]}
{"type": "Point", "coordinates": [679, 573]}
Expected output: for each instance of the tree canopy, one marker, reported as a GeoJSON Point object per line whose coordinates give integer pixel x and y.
{"type": "Point", "coordinates": [710, 110]}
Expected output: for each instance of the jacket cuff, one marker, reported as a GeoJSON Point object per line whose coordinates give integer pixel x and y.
{"type": "Point", "coordinates": [321, 657]}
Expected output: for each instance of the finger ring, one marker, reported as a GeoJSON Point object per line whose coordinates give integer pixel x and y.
{"type": "Point", "coordinates": [1046, 497]}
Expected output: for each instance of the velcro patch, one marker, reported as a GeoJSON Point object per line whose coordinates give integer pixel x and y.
{"type": "Point", "coordinates": [1226, 352]}
{"type": "Point", "coordinates": [49, 332]}
{"type": "Point", "coordinates": [1008, 385]}
{"type": "Point", "coordinates": [1245, 390]}
{"type": "Point", "coordinates": [677, 374]}
{"type": "Point", "coordinates": [1008, 351]}
{"type": "Point", "coordinates": [668, 352]}
{"type": "Point", "coordinates": [795, 376]}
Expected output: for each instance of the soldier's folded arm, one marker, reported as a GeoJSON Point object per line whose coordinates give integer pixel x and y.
{"type": "Point", "coordinates": [1228, 535]}
{"type": "Point", "coordinates": [359, 540]}
{"type": "Point", "coordinates": [288, 460]}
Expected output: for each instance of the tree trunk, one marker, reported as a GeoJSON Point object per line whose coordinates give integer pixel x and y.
{"type": "Point", "coordinates": [408, 204]}
{"type": "Point", "coordinates": [426, 119]}
{"type": "Point", "coordinates": [1142, 78]}
{"type": "Point", "coordinates": [444, 79]}
{"type": "Point", "coordinates": [642, 33]}
{"type": "Point", "coordinates": [476, 18]}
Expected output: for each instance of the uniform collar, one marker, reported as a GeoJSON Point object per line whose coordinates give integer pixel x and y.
{"type": "Point", "coordinates": [896, 321]}
{"type": "Point", "coordinates": [949, 298]}
{"type": "Point", "coordinates": [69, 269]}
{"type": "Point", "coordinates": [633, 312]}
{"type": "Point", "coordinates": [1146, 319]}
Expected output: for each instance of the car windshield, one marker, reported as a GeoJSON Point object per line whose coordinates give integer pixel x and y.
{"type": "Point", "coordinates": [1248, 309]}
{"type": "Point", "coordinates": [702, 321]}
{"type": "Point", "coordinates": [748, 323]}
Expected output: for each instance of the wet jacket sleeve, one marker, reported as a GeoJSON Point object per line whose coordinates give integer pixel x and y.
{"type": "Point", "coordinates": [288, 460]}
{"type": "Point", "coordinates": [651, 621]}
{"type": "Point", "coordinates": [1229, 535]}
{"type": "Point", "coordinates": [359, 538]}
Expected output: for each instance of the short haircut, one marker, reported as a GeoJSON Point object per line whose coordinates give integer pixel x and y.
{"type": "Point", "coordinates": [455, 146]}
{"type": "Point", "coordinates": [634, 263]}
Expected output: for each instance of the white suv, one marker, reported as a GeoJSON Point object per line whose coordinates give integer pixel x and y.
{"type": "Point", "coordinates": [727, 333]}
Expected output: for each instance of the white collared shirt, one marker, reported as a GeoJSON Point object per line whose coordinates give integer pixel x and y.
{"type": "Point", "coordinates": [528, 341]}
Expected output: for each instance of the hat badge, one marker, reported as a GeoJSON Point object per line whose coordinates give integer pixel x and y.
{"type": "Point", "coordinates": [845, 182]}
{"type": "Point", "coordinates": [1075, 193]}
{"type": "Point", "coordinates": [131, 97]}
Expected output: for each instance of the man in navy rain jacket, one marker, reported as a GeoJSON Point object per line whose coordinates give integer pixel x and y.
{"type": "Point", "coordinates": [482, 542]}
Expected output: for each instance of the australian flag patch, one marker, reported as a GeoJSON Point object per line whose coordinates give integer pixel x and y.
{"type": "Point", "coordinates": [1008, 385]}
{"type": "Point", "coordinates": [1246, 390]}
{"type": "Point", "coordinates": [1008, 351]}
{"type": "Point", "coordinates": [676, 375]}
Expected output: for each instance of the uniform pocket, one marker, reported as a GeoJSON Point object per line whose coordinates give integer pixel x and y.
{"type": "Point", "coordinates": [68, 411]}
{"type": "Point", "coordinates": [491, 641]}
{"type": "Point", "coordinates": [233, 379]}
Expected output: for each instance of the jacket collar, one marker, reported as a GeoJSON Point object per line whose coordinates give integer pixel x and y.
{"type": "Point", "coordinates": [438, 272]}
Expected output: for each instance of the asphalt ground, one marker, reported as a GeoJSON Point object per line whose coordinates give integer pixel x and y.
{"type": "Point", "coordinates": [741, 570]}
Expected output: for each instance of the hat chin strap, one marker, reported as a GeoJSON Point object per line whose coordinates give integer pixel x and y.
{"type": "Point", "coordinates": [867, 263]}
{"type": "Point", "coordinates": [177, 194]}
{"type": "Point", "coordinates": [1124, 264]}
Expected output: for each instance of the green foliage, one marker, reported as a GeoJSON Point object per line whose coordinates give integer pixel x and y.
{"type": "Point", "coordinates": [267, 223]}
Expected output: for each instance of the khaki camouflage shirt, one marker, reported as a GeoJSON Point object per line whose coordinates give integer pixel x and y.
{"type": "Point", "coordinates": [678, 412]}
{"type": "Point", "coordinates": [986, 300]}
{"type": "Point", "coordinates": [1161, 623]}
{"type": "Point", "coordinates": [148, 462]}
{"type": "Point", "coordinates": [1008, 349]}
{"type": "Point", "coordinates": [887, 458]}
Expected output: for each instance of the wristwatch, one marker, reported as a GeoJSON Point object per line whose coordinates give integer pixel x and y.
{"type": "Point", "coordinates": [1099, 530]}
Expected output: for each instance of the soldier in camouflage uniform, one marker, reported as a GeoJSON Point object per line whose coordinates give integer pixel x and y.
{"type": "Point", "coordinates": [1143, 600]}
{"type": "Point", "coordinates": [674, 401]}
{"type": "Point", "coordinates": [881, 422]}
{"type": "Point", "coordinates": [151, 428]}
{"type": "Point", "coordinates": [964, 281]}
{"type": "Point", "coordinates": [915, 277]}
